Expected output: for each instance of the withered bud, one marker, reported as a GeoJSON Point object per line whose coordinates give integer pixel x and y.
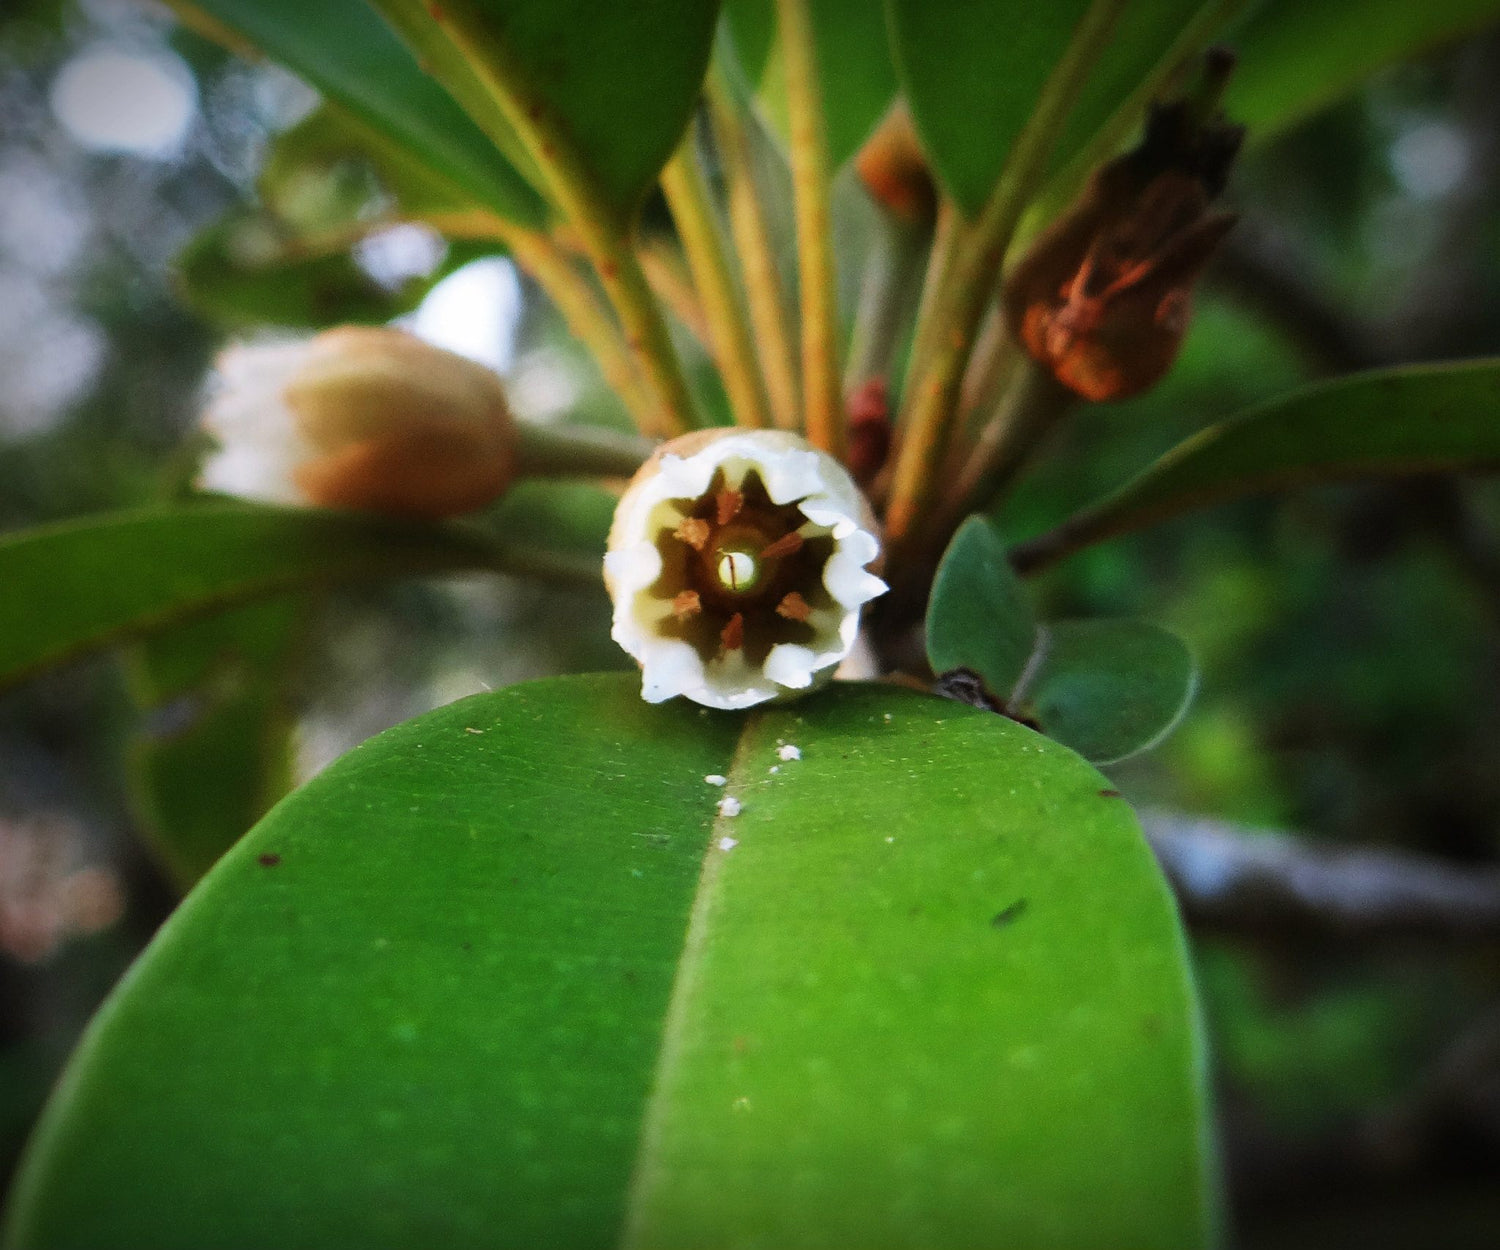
{"type": "Point", "coordinates": [360, 418]}
{"type": "Point", "coordinates": [894, 168]}
{"type": "Point", "coordinates": [1103, 298]}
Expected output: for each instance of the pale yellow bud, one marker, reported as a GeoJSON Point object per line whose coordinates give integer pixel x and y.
{"type": "Point", "coordinates": [366, 419]}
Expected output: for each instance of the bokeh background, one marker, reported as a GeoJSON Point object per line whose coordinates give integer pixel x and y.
{"type": "Point", "coordinates": [1349, 637]}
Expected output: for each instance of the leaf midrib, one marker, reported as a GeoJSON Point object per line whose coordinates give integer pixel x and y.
{"type": "Point", "coordinates": [685, 983]}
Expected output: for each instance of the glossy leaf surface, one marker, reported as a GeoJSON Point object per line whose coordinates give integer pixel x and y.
{"type": "Point", "coordinates": [501, 977]}
{"type": "Point", "coordinates": [1108, 688]}
{"type": "Point", "coordinates": [617, 81]}
{"type": "Point", "coordinates": [973, 70]}
{"type": "Point", "coordinates": [1421, 419]}
{"type": "Point", "coordinates": [979, 615]}
{"type": "Point", "coordinates": [346, 51]}
{"type": "Point", "coordinates": [87, 583]}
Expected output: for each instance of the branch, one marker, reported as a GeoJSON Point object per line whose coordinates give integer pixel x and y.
{"type": "Point", "coordinates": [1228, 877]}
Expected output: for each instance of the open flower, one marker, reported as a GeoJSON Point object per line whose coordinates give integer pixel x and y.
{"type": "Point", "coordinates": [739, 562]}
{"type": "Point", "coordinates": [368, 419]}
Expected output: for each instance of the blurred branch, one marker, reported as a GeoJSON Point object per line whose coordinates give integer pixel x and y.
{"type": "Point", "coordinates": [1228, 877]}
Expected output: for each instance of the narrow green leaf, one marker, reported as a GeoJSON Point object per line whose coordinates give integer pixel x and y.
{"type": "Point", "coordinates": [979, 615]}
{"type": "Point", "coordinates": [332, 170]}
{"type": "Point", "coordinates": [84, 584]}
{"type": "Point", "coordinates": [1108, 689]}
{"type": "Point", "coordinates": [1296, 57]}
{"type": "Point", "coordinates": [348, 53]}
{"type": "Point", "coordinates": [501, 978]}
{"type": "Point", "coordinates": [213, 750]}
{"type": "Point", "coordinates": [1420, 419]}
{"type": "Point", "coordinates": [246, 270]}
{"type": "Point", "coordinates": [973, 70]}
{"type": "Point", "coordinates": [855, 72]}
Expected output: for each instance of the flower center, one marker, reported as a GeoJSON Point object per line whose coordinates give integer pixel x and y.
{"type": "Point", "coordinates": [738, 571]}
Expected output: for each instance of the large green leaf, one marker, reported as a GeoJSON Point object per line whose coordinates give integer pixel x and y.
{"type": "Point", "coordinates": [1421, 419]}
{"type": "Point", "coordinates": [856, 76]}
{"type": "Point", "coordinates": [617, 81]}
{"type": "Point", "coordinates": [501, 977]}
{"type": "Point", "coordinates": [973, 70]}
{"type": "Point", "coordinates": [979, 615]}
{"type": "Point", "coordinates": [213, 750]}
{"type": "Point", "coordinates": [84, 584]}
{"type": "Point", "coordinates": [1108, 688]}
{"type": "Point", "coordinates": [346, 51]}
{"type": "Point", "coordinates": [1296, 57]}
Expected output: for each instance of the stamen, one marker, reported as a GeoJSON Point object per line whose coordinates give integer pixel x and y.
{"type": "Point", "coordinates": [728, 503]}
{"type": "Point", "coordinates": [687, 604]}
{"type": "Point", "coordinates": [694, 532]}
{"type": "Point", "coordinates": [733, 633]}
{"type": "Point", "coordinates": [794, 607]}
{"type": "Point", "coordinates": [787, 545]}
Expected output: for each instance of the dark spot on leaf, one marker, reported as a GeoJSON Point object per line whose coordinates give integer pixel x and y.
{"type": "Point", "coordinates": [269, 860]}
{"type": "Point", "coordinates": [468, 946]}
{"type": "Point", "coordinates": [1009, 915]}
{"type": "Point", "coordinates": [1110, 794]}
{"type": "Point", "coordinates": [630, 977]}
{"type": "Point", "coordinates": [1151, 1026]}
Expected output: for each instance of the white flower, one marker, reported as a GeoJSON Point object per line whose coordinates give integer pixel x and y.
{"type": "Point", "coordinates": [739, 563]}
{"type": "Point", "coordinates": [361, 418]}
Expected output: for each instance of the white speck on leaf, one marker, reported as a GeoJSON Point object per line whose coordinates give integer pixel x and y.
{"type": "Point", "coordinates": [716, 779]}
{"type": "Point", "coordinates": [890, 839]}
{"type": "Point", "coordinates": [470, 730]}
{"type": "Point", "coordinates": [789, 752]}
{"type": "Point", "coordinates": [775, 768]}
{"type": "Point", "coordinates": [730, 806]}
{"type": "Point", "coordinates": [887, 718]}
{"type": "Point", "coordinates": [728, 844]}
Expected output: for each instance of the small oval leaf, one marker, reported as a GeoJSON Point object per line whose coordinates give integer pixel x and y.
{"type": "Point", "coordinates": [1108, 689]}
{"type": "Point", "coordinates": [979, 615]}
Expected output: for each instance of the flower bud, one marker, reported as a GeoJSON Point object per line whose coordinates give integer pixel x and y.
{"type": "Point", "coordinates": [739, 562]}
{"type": "Point", "coordinates": [1103, 298]}
{"type": "Point", "coordinates": [894, 168]}
{"type": "Point", "coordinates": [366, 419]}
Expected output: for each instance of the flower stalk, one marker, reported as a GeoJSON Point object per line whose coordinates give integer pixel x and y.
{"type": "Point", "coordinates": [733, 351]}
{"type": "Point", "coordinates": [934, 395]}
{"type": "Point", "coordinates": [822, 409]}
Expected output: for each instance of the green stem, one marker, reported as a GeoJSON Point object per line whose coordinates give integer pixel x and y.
{"type": "Point", "coordinates": [752, 238]}
{"type": "Point", "coordinates": [893, 273]}
{"type": "Point", "coordinates": [665, 269]}
{"type": "Point", "coordinates": [602, 230]}
{"type": "Point", "coordinates": [733, 351]}
{"type": "Point", "coordinates": [577, 451]}
{"type": "Point", "coordinates": [578, 302]}
{"type": "Point", "coordinates": [935, 394]}
{"type": "Point", "coordinates": [822, 402]}
{"type": "Point", "coordinates": [1030, 409]}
